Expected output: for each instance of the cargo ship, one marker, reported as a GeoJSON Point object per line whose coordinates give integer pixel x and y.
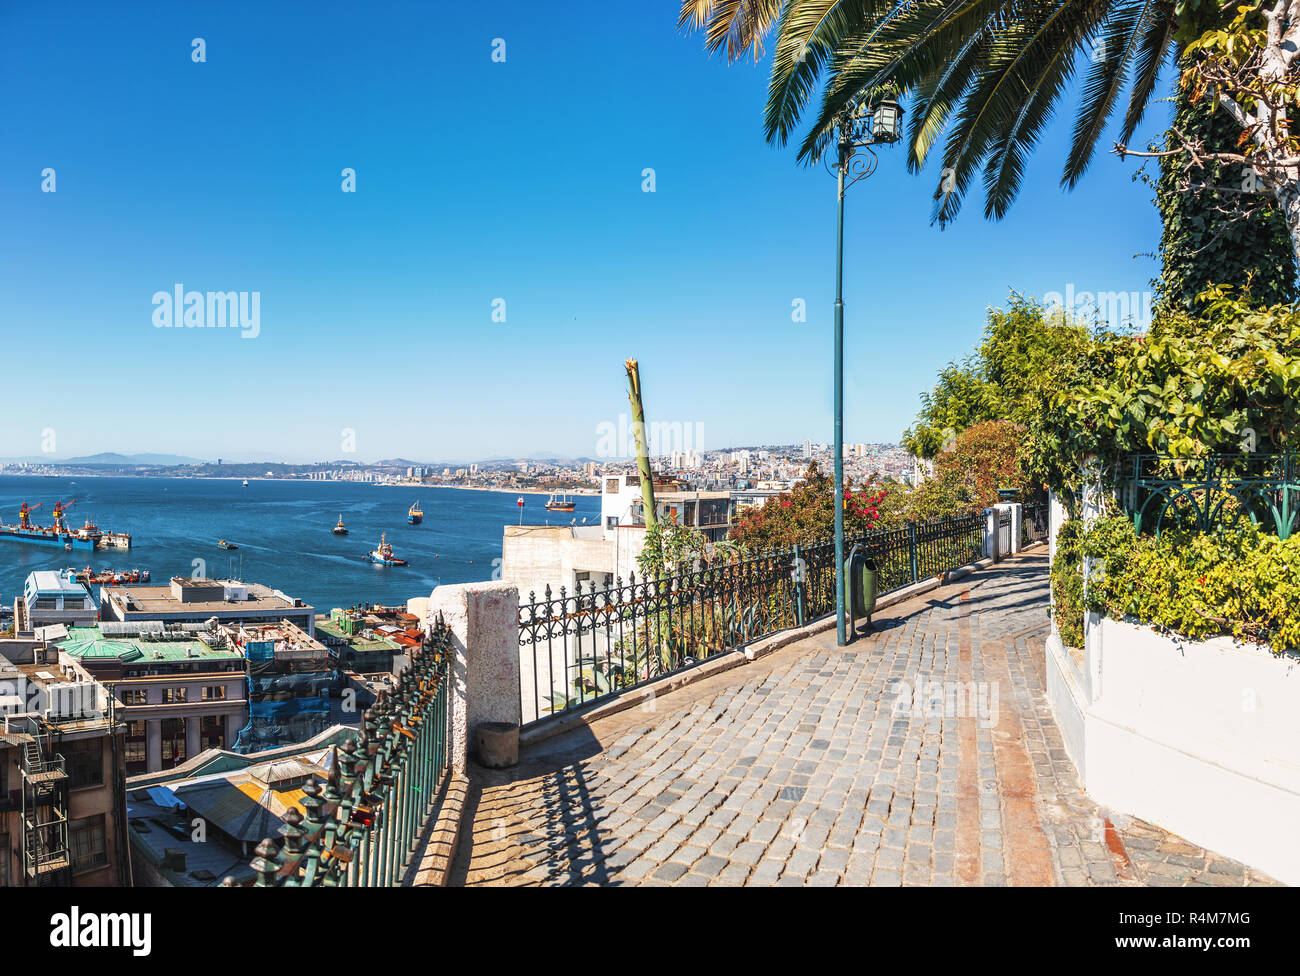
{"type": "Point", "coordinates": [87, 537]}
{"type": "Point", "coordinates": [559, 504]}
{"type": "Point", "coordinates": [383, 555]}
{"type": "Point", "coordinates": [415, 514]}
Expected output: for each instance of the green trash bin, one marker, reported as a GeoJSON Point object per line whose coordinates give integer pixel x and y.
{"type": "Point", "coordinates": [863, 577]}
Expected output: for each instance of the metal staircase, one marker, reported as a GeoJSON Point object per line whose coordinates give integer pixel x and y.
{"type": "Point", "coordinates": [46, 859]}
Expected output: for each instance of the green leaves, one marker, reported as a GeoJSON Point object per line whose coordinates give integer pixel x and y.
{"type": "Point", "coordinates": [985, 73]}
{"type": "Point", "coordinates": [1236, 580]}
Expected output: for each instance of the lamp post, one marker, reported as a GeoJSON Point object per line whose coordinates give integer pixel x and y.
{"type": "Point", "coordinates": [866, 124]}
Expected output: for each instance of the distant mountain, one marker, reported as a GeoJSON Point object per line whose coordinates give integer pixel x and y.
{"type": "Point", "coordinates": [110, 458]}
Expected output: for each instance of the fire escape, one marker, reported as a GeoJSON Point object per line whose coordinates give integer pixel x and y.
{"type": "Point", "coordinates": [46, 858]}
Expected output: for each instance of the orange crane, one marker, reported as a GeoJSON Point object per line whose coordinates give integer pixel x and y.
{"type": "Point", "coordinates": [24, 514]}
{"type": "Point", "coordinates": [59, 509]}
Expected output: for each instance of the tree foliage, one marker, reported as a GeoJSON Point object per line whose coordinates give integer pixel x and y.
{"type": "Point", "coordinates": [968, 474]}
{"type": "Point", "coordinates": [1224, 380]}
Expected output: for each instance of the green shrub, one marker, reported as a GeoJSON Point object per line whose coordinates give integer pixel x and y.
{"type": "Point", "coordinates": [1235, 579]}
{"type": "Point", "coordinates": [1067, 584]}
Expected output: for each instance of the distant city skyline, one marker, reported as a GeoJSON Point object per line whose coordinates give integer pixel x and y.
{"type": "Point", "coordinates": [447, 254]}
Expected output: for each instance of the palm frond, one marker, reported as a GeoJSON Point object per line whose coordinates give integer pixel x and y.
{"type": "Point", "coordinates": [1157, 41]}
{"type": "Point", "coordinates": [1113, 52]}
{"type": "Point", "coordinates": [735, 26]}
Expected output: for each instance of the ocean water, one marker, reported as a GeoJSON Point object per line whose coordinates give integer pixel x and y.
{"type": "Point", "coordinates": [282, 529]}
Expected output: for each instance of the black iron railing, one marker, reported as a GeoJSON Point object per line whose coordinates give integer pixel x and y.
{"type": "Point", "coordinates": [578, 648]}
{"type": "Point", "coordinates": [362, 827]}
{"type": "Point", "coordinates": [1033, 524]}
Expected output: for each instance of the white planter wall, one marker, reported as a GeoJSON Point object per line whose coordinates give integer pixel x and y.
{"type": "Point", "coordinates": [1201, 738]}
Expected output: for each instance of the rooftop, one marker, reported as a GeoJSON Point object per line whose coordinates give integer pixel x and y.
{"type": "Point", "coordinates": [144, 600]}
{"type": "Point", "coordinates": [48, 582]}
{"type": "Point", "coordinates": [89, 644]}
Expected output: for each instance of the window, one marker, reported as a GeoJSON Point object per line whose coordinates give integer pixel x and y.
{"type": "Point", "coordinates": [214, 693]}
{"type": "Point", "coordinates": [88, 843]}
{"type": "Point", "coordinates": [135, 696]}
{"type": "Point", "coordinates": [174, 696]}
{"type": "Point", "coordinates": [85, 762]}
{"type": "Point", "coordinates": [611, 521]}
{"type": "Point", "coordinates": [611, 486]}
{"type": "Point", "coordinates": [173, 742]}
{"type": "Point", "coordinates": [135, 749]}
{"type": "Point", "coordinates": [212, 732]}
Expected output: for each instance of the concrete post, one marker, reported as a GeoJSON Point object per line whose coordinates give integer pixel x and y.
{"type": "Point", "coordinates": [153, 745]}
{"type": "Point", "coordinates": [192, 742]}
{"type": "Point", "coordinates": [1017, 515]}
{"type": "Point", "coordinates": [484, 623]}
{"type": "Point", "coordinates": [234, 722]}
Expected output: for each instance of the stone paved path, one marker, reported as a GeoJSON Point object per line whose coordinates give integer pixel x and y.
{"type": "Point", "coordinates": [814, 766]}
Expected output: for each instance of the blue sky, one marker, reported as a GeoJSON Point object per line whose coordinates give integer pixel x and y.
{"type": "Point", "coordinates": [476, 180]}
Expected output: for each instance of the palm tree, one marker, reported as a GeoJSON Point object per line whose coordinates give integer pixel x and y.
{"type": "Point", "coordinates": [983, 75]}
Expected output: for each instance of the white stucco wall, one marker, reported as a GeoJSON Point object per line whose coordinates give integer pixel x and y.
{"type": "Point", "coordinates": [1201, 738]}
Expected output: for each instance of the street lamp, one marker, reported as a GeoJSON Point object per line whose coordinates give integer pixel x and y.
{"type": "Point", "coordinates": [864, 125]}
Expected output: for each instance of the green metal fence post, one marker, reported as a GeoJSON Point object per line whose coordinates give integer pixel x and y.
{"type": "Point", "coordinates": [911, 549]}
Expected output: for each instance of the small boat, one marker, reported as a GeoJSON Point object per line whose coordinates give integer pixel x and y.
{"type": "Point", "coordinates": [340, 528]}
{"type": "Point", "coordinates": [245, 482]}
{"type": "Point", "coordinates": [415, 514]}
{"type": "Point", "coordinates": [383, 555]}
{"type": "Point", "coordinates": [223, 544]}
{"type": "Point", "coordinates": [559, 504]}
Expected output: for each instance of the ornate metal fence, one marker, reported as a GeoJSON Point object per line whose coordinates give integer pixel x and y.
{"type": "Point", "coordinates": [1033, 524]}
{"type": "Point", "coordinates": [361, 827]}
{"type": "Point", "coordinates": [580, 647]}
{"type": "Point", "coordinates": [1161, 491]}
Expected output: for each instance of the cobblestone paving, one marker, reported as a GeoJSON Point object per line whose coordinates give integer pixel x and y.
{"type": "Point", "coordinates": [812, 768]}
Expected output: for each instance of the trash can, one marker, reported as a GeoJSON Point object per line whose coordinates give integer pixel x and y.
{"type": "Point", "coordinates": [863, 575]}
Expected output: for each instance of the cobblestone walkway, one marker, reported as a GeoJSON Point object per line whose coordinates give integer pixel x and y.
{"type": "Point", "coordinates": [923, 754]}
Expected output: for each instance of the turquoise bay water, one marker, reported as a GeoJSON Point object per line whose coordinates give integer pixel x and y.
{"type": "Point", "coordinates": [282, 529]}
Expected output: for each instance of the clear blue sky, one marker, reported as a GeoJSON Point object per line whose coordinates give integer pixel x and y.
{"type": "Point", "coordinates": [476, 180]}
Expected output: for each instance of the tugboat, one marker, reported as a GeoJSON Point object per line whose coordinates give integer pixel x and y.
{"type": "Point", "coordinates": [223, 544]}
{"type": "Point", "coordinates": [340, 528]}
{"type": "Point", "coordinates": [383, 555]}
{"type": "Point", "coordinates": [415, 514]}
{"type": "Point", "coordinates": [561, 504]}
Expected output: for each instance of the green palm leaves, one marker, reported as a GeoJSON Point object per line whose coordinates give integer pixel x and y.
{"type": "Point", "coordinates": [983, 76]}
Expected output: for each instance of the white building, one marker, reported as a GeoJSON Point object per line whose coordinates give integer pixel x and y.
{"type": "Point", "coordinates": [537, 556]}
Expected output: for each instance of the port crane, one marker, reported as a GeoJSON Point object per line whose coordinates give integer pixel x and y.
{"type": "Point", "coordinates": [59, 509]}
{"type": "Point", "coordinates": [24, 514]}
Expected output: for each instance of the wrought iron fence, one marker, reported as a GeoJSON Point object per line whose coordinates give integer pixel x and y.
{"type": "Point", "coordinates": [1033, 522]}
{"type": "Point", "coordinates": [361, 827]}
{"type": "Point", "coordinates": [578, 648]}
{"type": "Point", "coordinates": [1159, 491]}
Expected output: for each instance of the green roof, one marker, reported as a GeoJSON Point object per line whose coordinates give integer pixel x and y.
{"type": "Point", "coordinates": [87, 643]}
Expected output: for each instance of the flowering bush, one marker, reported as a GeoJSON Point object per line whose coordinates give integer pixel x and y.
{"type": "Point", "coordinates": [805, 514]}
